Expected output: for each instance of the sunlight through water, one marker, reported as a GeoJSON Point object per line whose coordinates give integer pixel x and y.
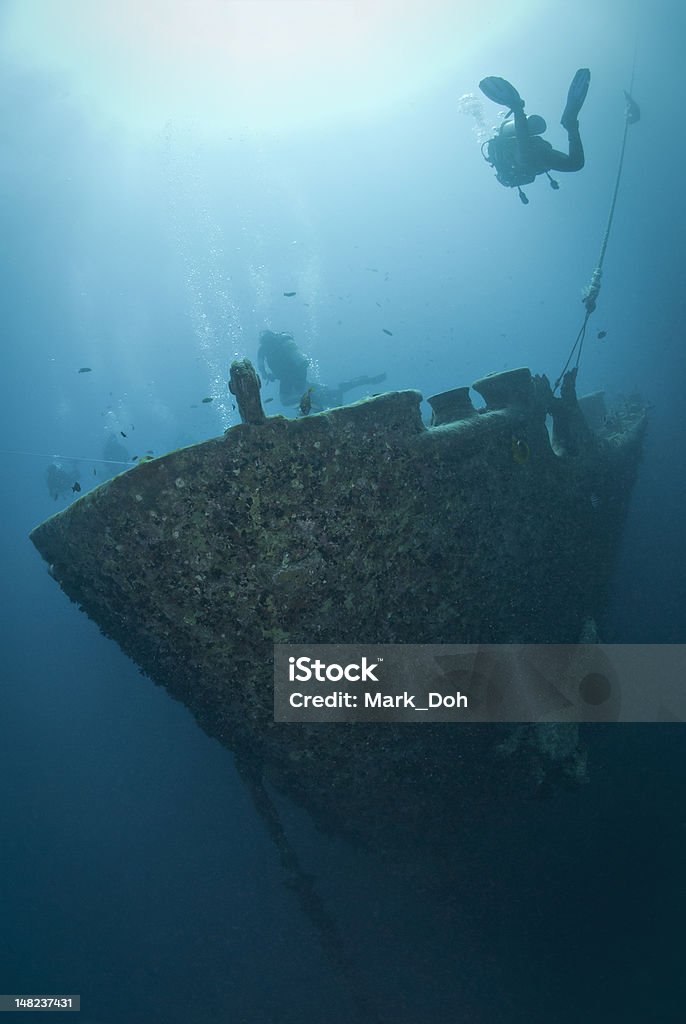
{"type": "Point", "coordinates": [266, 64]}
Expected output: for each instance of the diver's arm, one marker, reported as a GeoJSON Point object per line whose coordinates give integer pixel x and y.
{"type": "Point", "coordinates": [521, 128]}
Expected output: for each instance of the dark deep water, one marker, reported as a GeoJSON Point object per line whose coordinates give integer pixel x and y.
{"type": "Point", "coordinates": [134, 868]}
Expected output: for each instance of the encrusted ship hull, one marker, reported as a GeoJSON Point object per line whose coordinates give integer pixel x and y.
{"type": "Point", "coordinates": [356, 525]}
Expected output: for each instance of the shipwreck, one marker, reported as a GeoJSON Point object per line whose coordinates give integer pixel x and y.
{"type": "Point", "coordinates": [362, 524]}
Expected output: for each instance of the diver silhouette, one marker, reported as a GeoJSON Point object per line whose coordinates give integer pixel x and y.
{"type": "Point", "coordinates": [517, 151]}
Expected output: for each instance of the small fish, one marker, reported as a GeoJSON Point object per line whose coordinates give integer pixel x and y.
{"type": "Point", "coordinates": [601, 335]}
{"type": "Point", "coordinates": [95, 472]}
{"type": "Point", "coordinates": [133, 458]}
{"type": "Point", "coordinates": [390, 333]}
{"type": "Point", "coordinates": [374, 270]}
{"type": "Point", "coordinates": [122, 433]}
{"type": "Point", "coordinates": [194, 407]}
{"type": "Point", "coordinates": [76, 487]}
{"type": "Point", "coordinates": [595, 501]}
{"type": "Point", "coordinates": [206, 401]}
{"type": "Point", "coordinates": [520, 451]}
{"type": "Point", "coordinates": [85, 369]}
{"type": "Point", "coordinates": [265, 401]}
{"type": "Point", "coordinates": [306, 402]}
{"type": "Point", "coordinates": [149, 451]}
{"type": "Point", "coordinates": [289, 295]}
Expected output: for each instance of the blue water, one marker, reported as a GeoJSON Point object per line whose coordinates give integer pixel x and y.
{"type": "Point", "coordinates": [134, 869]}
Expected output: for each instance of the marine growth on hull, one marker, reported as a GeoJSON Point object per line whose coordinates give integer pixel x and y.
{"type": "Point", "coordinates": [361, 524]}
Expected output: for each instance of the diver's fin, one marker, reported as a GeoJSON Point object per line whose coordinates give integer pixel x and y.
{"type": "Point", "coordinates": [500, 91]}
{"type": "Point", "coordinates": [633, 111]}
{"type": "Point", "coordinates": [575, 97]}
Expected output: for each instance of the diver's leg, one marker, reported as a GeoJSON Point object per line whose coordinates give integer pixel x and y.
{"type": "Point", "coordinates": [576, 150]}
{"type": "Point", "coordinates": [360, 382]}
{"type": "Point", "coordinates": [575, 98]}
{"type": "Point", "coordinates": [348, 385]}
{"type": "Point", "coordinates": [574, 160]}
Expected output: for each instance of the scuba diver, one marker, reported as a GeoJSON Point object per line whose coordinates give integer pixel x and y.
{"type": "Point", "coordinates": [279, 358]}
{"type": "Point", "coordinates": [517, 152]}
{"type": "Point", "coordinates": [286, 363]}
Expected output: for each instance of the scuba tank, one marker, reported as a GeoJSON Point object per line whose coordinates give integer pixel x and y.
{"type": "Point", "coordinates": [501, 152]}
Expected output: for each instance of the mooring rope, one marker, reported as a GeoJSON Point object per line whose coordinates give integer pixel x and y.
{"type": "Point", "coordinates": [592, 290]}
